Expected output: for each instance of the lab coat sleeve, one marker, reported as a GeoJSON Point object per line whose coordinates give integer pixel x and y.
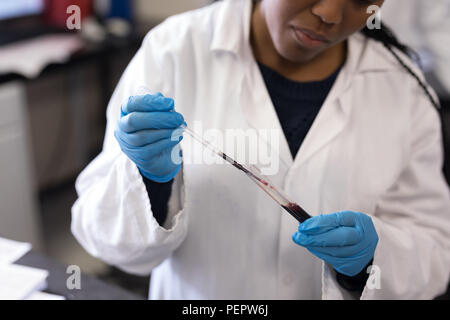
{"type": "Point", "coordinates": [412, 219]}
{"type": "Point", "coordinates": [112, 217]}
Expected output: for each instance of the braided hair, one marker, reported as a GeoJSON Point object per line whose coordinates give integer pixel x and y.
{"type": "Point", "coordinates": [390, 41]}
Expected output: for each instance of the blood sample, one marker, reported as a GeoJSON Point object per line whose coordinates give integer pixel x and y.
{"type": "Point", "coordinates": [296, 211]}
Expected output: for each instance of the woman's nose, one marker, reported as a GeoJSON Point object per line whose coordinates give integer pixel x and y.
{"type": "Point", "coordinates": [329, 11]}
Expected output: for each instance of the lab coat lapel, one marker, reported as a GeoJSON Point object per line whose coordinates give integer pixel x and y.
{"type": "Point", "coordinates": [257, 105]}
{"type": "Point", "coordinates": [260, 112]}
{"type": "Point", "coordinates": [330, 121]}
{"type": "Point", "coordinates": [336, 110]}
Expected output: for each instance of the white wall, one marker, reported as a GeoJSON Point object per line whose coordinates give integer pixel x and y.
{"type": "Point", "coordinates": [156, 10]}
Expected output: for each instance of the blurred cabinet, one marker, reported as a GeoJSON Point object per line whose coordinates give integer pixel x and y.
{"type": "Point", "coordinates": [51, 127]}
{"type": "Point", "coordinates": [18, 204]}
{"type": "Point", "coordinates": [66, 108]}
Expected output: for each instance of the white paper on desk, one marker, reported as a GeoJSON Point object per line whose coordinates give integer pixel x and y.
{"type": "Point", "coordinates": [44, 296]}
{"type": "Point", "coordinates": [30, 57]}
{"type": "Point", "coordinates": [19, 282]}
{"type": "Point", "coordinates": [11, 250]}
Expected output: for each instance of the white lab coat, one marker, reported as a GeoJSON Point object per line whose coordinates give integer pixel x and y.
{"type": "Point", "coordinates": [375, 147]}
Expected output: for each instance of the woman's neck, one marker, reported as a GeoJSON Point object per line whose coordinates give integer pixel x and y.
{"type": "Point", "coordinates": [318, 68]}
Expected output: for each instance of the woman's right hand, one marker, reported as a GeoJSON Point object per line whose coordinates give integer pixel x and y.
{"type": "Point", "coordinates": [148, 132]}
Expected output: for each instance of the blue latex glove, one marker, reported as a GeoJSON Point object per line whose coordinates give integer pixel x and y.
{"type": "Point", "coordinates": [149, 133]}
{"type": "Point", "coordinates": [345, 240]}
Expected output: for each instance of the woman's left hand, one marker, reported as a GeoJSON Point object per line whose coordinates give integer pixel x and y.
{"type": "Point", "coordinates": [345, 240]}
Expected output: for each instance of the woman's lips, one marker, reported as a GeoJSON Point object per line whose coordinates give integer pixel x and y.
{"type": "Point", "coordinates": [307, 38]}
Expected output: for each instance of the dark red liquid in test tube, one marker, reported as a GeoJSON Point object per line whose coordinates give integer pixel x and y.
{"type": "Point", "coordinates": [294, 209]}
{"type": "Point", "coordinates": [297, 212]}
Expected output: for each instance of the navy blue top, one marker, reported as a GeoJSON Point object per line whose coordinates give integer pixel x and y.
{"type": "Point", "coordinates": [296, 103]}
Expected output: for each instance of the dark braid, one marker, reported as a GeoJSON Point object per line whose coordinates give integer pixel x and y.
{"type": "Point", "coordinates": [387, 37]}
{"type": "Point", "coordinates": [390, 41]}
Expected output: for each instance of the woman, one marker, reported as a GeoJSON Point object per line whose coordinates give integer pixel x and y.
{"type": "Point", "coordinates": [368, 170]}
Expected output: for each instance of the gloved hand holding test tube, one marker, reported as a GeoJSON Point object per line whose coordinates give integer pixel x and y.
{"type": "Point", "coordinates": [251, 171]}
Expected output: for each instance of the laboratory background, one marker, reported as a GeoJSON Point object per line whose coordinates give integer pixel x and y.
{"type": "Point", "coordinates": [60, 61]}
